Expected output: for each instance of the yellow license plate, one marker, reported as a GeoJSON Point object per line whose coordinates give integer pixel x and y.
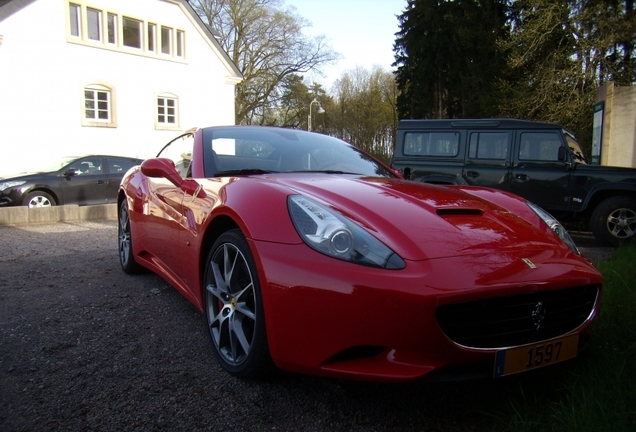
{"type": "Point", "coordinates": [528, 357]}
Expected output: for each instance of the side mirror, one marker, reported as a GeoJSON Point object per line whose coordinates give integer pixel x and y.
{"type": "Point", "coordinates": [71, 172]}
{"type": "Point", "coordinates": [161, 168]}
{"type": "Point", "coordinates": [562, 154]}
{"type": "Point", "coordinates": [407, 173]}
{"type": "Point", "coordinates": [398, 173]}
{"type": "Point", "coordinates": [164, 168]}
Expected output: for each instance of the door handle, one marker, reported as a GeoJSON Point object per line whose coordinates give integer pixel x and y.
{"type": "Point", "coordinates": [472, 174]}
{"type": "Point", "coordinates": [522, 177]}
{"type": "Point", "coordinates": [100, 182]}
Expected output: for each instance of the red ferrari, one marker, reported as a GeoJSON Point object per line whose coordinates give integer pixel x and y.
{"type": "Point", "coordinates": [308, 254]}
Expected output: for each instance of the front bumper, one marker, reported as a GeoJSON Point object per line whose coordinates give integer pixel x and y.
{"type": "Point", "coordinates": [333, 318]}
{"type": "Point", "coordinates": [11, 197]}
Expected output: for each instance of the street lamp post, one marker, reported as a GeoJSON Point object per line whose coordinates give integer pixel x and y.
{"type": "Point", "coordinates": [320, 111]}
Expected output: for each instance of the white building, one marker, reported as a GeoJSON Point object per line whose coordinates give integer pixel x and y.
{"type": "Point", "coordinates": [615, 138]}
{"type": "Point", "coordinates": [116, 77]}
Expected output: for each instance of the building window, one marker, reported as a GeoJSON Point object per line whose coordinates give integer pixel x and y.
{"type": "Point", "coordinates": [180, 42]}
{"type": "Point", "coordinates": [93, 26]}
{"type": "Point", "coordinates": [166, 40]}
{"type": "Point", "coordinates": [74, 18]}
{"type": "Point", "coordinates": [167, 112]}
{"type": "Point", "coordinates": [152, 30]}
{"type": "Point", "coordinates": [98, 107]}
{"type": "Point", "coordinates": [132, 32]}
{"type": "Point", "coordinates": [97, 104]}
{"type": "Point", "coordinates": [112, 28]}
{"type": "Point", "coordinates": [93, 22]}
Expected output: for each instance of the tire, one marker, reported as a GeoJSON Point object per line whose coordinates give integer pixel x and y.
{"type": "Point", "coordinates": [614, 221]}
{"type": "Point", "coordinates": [126, 256]}
{"type": "Point", "coordinates": [234, 308]}
{"type": "Point", "coordinates": [39, 199]}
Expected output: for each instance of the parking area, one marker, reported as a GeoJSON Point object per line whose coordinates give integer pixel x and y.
{"type": "Point", "coordinates": [85, 347]}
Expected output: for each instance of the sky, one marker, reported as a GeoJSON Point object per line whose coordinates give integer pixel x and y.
{"type": "Point", "coordinates": [362, 31]}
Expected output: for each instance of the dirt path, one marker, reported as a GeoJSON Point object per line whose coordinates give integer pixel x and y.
{"type": "Point", "coordinates": [85, 347]}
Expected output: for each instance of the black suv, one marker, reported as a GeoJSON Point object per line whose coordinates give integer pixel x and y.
{"type": "Point", "coordinates": [539, 161]}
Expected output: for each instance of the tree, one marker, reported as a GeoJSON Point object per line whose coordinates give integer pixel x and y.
{"type": "Point", "coordinates": [447, 57]}
{"type": "Point", "coordinates": [295, 102]}
{"type": "Point", "coordinates": [266, 43]}
{"type": "Point", "coordinates": [560, 53]}
{"type": "Point", "coordinates": [529, 59]}
{"type": "Point", "coordinates": [607, 28]}
{"type": "Point", "coordinates": [364, 110]}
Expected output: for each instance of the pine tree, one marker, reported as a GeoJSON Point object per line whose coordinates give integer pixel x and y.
{"type": "Point", "coordinates": [447, 57]}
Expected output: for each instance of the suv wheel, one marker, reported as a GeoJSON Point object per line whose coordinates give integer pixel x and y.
{"type": "Point", "coordinates": [614, 220]}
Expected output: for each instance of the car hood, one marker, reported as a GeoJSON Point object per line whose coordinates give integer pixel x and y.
{"type": "Point", "coordinates": [422, 221]}
{"type": "Point", "coordinates": [27, 176]}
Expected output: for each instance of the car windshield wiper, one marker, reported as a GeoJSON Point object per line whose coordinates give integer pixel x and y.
{"type": "Point", "coordinates": [243, 171]}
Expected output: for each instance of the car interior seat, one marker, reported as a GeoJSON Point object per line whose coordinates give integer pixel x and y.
{"type": "Point", "coordinates": [211, 164]}
{"type": "Point", "coordinates": [96, 168]}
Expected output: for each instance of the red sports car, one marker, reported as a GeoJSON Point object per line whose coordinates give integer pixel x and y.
{"type": "Point", "coordinates": [306, 253]}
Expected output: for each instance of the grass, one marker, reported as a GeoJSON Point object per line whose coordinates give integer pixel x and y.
{"type": "Point", "coordinates": [597, 392]}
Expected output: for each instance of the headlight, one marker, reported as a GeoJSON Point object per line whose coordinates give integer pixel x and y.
{"type": "Point", "coordinates": [555, 226]}
{"type": "Point", "coordinates": [10, 184]}
{"type": "Point", "coordinates": [335, 235]}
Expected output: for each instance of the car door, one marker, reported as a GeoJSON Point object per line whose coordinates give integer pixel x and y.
{"type": "Point", "coordinates": [85, 182]}
{"type": "Point", "coordinates": [537, 173]}
{"type": "Point", "coordinates": [166, 215]}
{"type": "Point", "coordinates": [116, 168]}
{"type": "Point", "coordinates": [489, 158]}
{"type": "Point", "coordinates": [163, 218]}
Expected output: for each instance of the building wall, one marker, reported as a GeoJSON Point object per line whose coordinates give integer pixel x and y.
{"type": "Point", "coordinates": [618, 145]}
{"type": "Point", "coordinates": [42, 77]}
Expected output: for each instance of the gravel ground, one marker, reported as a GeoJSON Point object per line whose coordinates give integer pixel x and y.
{"type": "Point", "coordinates": [85, 347]}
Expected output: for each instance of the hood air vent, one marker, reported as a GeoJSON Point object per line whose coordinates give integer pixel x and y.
{"type": "Point", "coordinates": [454, 211]}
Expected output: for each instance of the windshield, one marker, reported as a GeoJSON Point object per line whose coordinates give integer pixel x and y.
{"type": "Point", "coordinates": [54, 165]}
{"type": "Point", "coordinates": [575, 149]}
{"type": "Point", "coordinates": [258, 150]}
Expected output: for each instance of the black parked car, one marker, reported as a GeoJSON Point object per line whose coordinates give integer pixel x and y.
{"type": "Point", "coordinates": [85, 180]}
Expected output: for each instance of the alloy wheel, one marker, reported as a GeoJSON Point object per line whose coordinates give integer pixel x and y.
{"type": "Point", "coordinates": [621, 223]}
{"type": "Point", "coordinates": [231, 304]}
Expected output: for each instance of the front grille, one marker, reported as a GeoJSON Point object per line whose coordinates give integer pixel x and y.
{"type": "Point", "coordinates": [517, 320]}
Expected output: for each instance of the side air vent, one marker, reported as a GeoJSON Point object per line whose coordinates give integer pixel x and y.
{"type": "Point", "coordinates": [357, 353]}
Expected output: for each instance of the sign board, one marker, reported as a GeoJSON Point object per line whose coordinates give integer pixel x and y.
{"type": "Point", "coordinates": [597, 132]}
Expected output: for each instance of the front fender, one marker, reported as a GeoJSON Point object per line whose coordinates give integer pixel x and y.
{"type": "Point", "coordinates": [259, 207]}
{"type": "Point", "coordinates": [623, 188]}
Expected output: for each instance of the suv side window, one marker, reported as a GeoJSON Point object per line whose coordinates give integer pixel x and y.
{"type": "Point", "coordinates": [488, 145]}
{"type": "Point", "coordinates": [539, 146]}
{"type": "Point", "coordinates": [441, 144]}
